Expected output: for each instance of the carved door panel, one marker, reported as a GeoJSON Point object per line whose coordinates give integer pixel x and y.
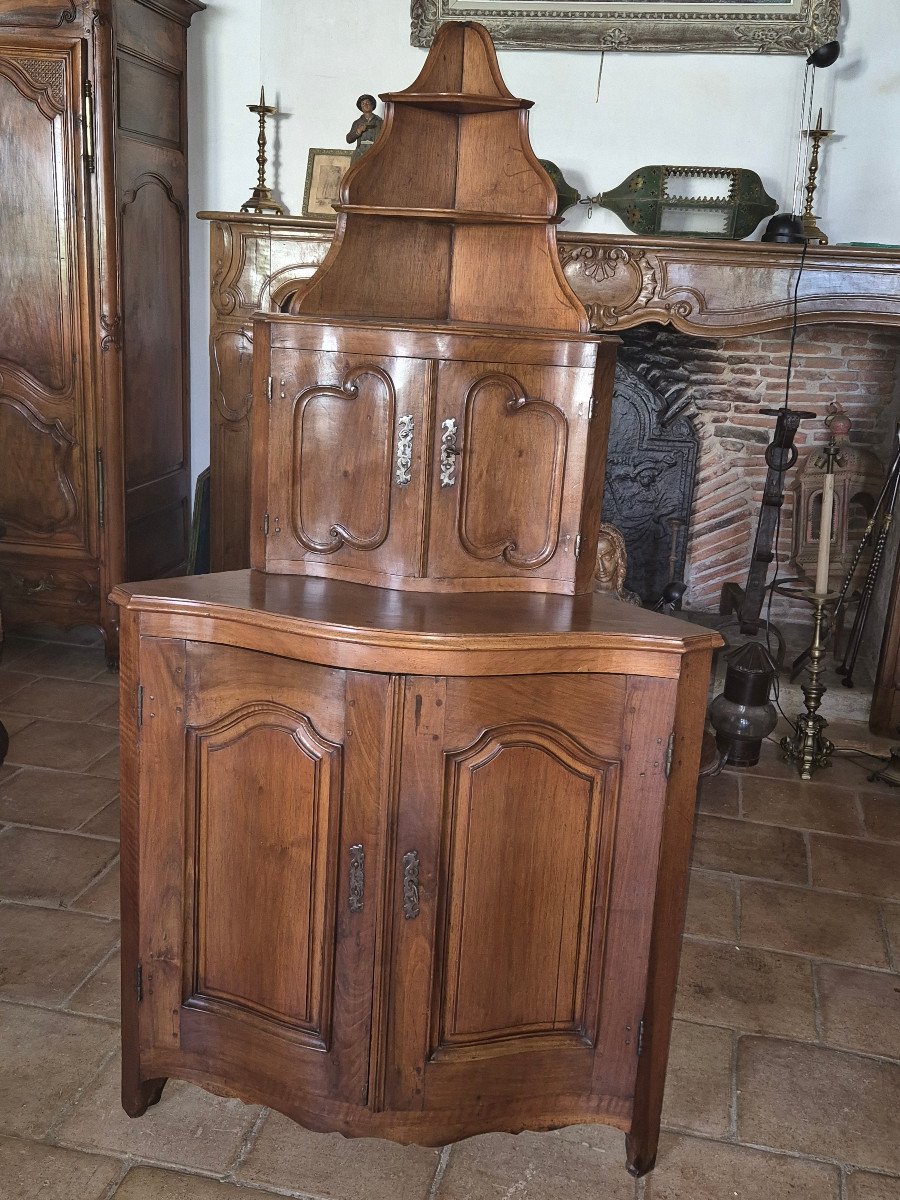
{"type": "Point", "coordinates": [346, 463]}
{"type": "Point", "coordinates": [502, 880]}
{"type": "Point", "coordinates": [256, 943]}
{"type": "Point", "coordinates": [509, 446]}
{"type": "Point", "coordinates": [45, 434]}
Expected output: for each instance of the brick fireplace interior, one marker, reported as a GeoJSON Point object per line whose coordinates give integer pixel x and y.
{"type": "Point", "coordinates": [720, 385]}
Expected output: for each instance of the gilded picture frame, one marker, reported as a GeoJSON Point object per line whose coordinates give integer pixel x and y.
{"type": "Point", "coordinates": [324, 171]}
{"type": "Point", "coordinates": [710, 26]}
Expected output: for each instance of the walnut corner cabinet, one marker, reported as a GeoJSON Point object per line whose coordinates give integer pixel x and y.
{"type": "Point", "coordinates": [403, 865]}
{"type": "Point", "coordinates": [94, 482]}
{"type": "Point", "coordinates": [407, 809]}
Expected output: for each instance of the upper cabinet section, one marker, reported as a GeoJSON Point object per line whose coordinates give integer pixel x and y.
{"type": "Point", "coordinates": [449, 217]}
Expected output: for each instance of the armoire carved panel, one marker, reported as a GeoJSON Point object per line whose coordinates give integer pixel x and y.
{"type": "Point", "coordinates": [93, 349]}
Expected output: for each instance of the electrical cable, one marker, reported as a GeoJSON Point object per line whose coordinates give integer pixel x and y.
{"type": "Point", "coordinates": [781, 471]}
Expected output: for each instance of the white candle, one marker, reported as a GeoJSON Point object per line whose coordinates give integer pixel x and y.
{"type": "Point", "coordinates": [825, 534]}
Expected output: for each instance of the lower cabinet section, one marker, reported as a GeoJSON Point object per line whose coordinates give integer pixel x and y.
{"type": "Point", "coordinates": [418, 907]}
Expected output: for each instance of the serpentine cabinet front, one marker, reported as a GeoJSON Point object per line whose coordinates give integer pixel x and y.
{"type": "Point", "coordinates": [415, 907]}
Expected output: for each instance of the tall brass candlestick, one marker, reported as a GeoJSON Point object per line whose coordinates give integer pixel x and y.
{"type": "Point", "coordinates": [261, 198]}
{"type": "Point", "coordinates": [810, 228]}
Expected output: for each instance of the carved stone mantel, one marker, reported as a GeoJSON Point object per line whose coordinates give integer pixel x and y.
{"type": "Point", "coordinates": [724, 288]}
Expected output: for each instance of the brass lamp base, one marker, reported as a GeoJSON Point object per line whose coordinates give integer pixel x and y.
{"type": "Point", "coordinates": [262, 201]}
{"type": "Point", "coordinates": [809, 748]}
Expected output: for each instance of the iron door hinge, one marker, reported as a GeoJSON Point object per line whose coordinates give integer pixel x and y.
{"type": "Point", "coordinates": [640, 1038]}
{"type": "Point", "coordinates": [140, 705]}
{"type": "Point", "coordinates": [577, 545]}
{"type": "Point", "coordinates": [266, 524]}
{"type": "Point", "coordinates": [87, 120]}
{"type": "Point", "coordinates": [269, 389]}
{"type": "Point", "coordinates": [670, 751]}
{"type": "Point", "coordinates": [139, 982]}
{"type": "Point", "coordinates": [591, 408]}
{"type": "Point", "coordinates": [101, 489]}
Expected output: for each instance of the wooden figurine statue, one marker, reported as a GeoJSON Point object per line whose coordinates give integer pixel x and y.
{"type": "Point", "coordinates": [365, 129]}
{"type": "Point", "coordinates": [612, 565]}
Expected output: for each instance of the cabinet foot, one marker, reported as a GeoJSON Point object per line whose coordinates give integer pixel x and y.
{"type": "Point", "coordinates": [138, 1097]}
{"type": "Point", "coordinates": [640, 1155]}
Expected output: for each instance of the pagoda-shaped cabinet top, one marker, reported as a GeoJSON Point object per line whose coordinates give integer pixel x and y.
{"type": "Point", "coordinates": [433, 414]}
{"type": "Point", "coordinates": [450, 216]}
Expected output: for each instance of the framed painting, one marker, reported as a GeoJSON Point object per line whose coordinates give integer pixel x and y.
{"type": "Point", "coordinates": [324, 171]}
{"type": "Point", "coordinates": [735, 26]}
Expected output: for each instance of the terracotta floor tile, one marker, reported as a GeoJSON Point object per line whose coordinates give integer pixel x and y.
{"type": "Point", "coordinates": [49, 867]}
{"type": "Point", "coordinates": [60, 700]}
{"type": "Point", "coordinates": [100, 995]}
{"type": "Point", "coordinates": [62, 745]}
{"type": "Point", "coordinates": [691, 1169]}
{"type": "Point", "coordinates": [110, 715]}
{"type": "Point", "coordinates": [805, 921]}
{"type": "Point", "coordinates": [861, 1185]}
{"type": "Point", "coordinates": [53, 799]}
{"type": "Point", "coordinates": [187, 1128]}
{"type": "Point", "coordinates": [62, 662]}
{"type": "Point", "coordinates": [45, 953]}
{"type": "Point", "coordinates": [325, 1164]}
{"type": "Point", "coordinates": [860, 1009]}
{"type": "Point", "coordinates": [891, 913]}
{"type": "Point", "coordinates": [101, 897]}
{"type": "Point", "coordinates": [842, 772]}
{"type": "Point", "coordinates": [108, 766]}
{"type": "Point", "coordinates": [882, 814]}
{"type": "Point", "coordinates": [814, 1100]}
{"type": "Point", "coordinates": [698, 1083]}
{"type": "Point", "coordinates": [12, 683]}
{"type": "Point", "coordinates": [156, 1183]}
{"type": "Point", "coordinates": [719, 795]}
{"type": "Point", "coordinates": [752, 990]}
{"type": "Point", "coordinates": [47, 1057]}
{"type": "Point", "coordinates": [801, 804]}
{"type": "Point", "coordinates": [106, 822]}
{"type": "Point", "coordinates": [15, 723]}
{"type": "Point", "coordinates": [29, 1170]}
{"type": "Point", "coordinates": [850, 865]}
{"type": "Point", "coordinates": [765, 851]}
{"type": "Point", "coordinates": [712, 906]}
{"type": "Point", "coordinates": [538, 1167]}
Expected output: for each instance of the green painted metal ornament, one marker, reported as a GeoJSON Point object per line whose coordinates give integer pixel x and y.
{"type": "Point", "coordinates": [674, 200]}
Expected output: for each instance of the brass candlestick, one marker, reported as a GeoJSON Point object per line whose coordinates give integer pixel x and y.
{"type": "Point", "coordinates": [809, 747]}
{"type": "Point", "coordinates": [810, 229]}
{"type": "Point", "coordinates": [261, 198]}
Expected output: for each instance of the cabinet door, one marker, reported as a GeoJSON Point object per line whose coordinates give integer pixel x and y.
{"type": "Point", "coordinates": [46, 423]}
{"type": "Point", "coordinates": [506, 827]}
{"type": "Point", "coordinates": [259, 866]}
{"type": "Point", "coordinates": [345, 463]}
{"type": "Point", "coordinates": [509, 451]}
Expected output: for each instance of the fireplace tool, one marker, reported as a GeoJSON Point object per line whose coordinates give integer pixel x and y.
{"type": "Point", "coordinates": [884, 516]}
{"type": "Point", "coordinates": [781, 454]}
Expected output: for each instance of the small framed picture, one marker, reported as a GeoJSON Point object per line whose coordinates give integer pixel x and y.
{"type": "Point", "coordinates": [324, 172]}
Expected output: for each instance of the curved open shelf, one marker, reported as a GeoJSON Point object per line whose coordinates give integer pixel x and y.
{"type": "Point", "coordinates": [456, 102]}
{"type": "Point", "coordinates": [456, 216]}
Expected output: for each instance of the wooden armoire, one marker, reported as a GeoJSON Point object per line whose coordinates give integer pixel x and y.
{"type": "Point", "coordinates": [407, 809]}
{"type": "Point", "coordinates": [94, 432]}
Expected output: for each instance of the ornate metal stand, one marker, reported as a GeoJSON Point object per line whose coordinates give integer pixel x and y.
{"type": "Point", "coordinates": [261, 198]}
{"type": "Point", "coordinates": [809, 747]}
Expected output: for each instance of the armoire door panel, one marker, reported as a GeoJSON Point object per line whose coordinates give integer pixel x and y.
{"type": "Point", "coordinates": [263, 959]}
{"type": "Point", "coordinates": [43, 431]}
{"type": "Point", "coordinates": [346, 461]}
{"type": "Point", "coordinates": [509, 441]}
{"type": "Point", "coordinates": [36, 298]}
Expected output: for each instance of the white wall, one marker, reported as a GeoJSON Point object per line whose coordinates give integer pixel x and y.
{"type": "Point", "coordinates": [693, 109]}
